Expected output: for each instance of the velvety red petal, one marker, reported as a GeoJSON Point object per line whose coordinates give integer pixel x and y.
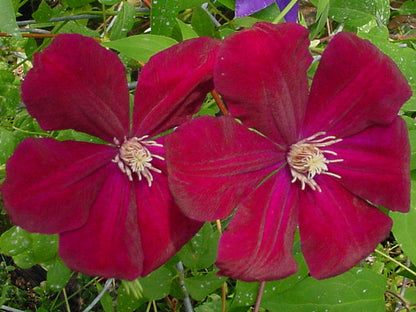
{"type": "Point", "coordinates": [173, 85]}
{"type": "Point", "coordinates": [261, 74]}
{"type": "Point", "coordinates": [163, 228]}
{"type": "Point", "coordinates": [50, 185]}
{"type": "Point", "coordinates": [257, 246]}
{"type": "Point", "coordinates": [338, 229]}
{"type": "Point", "coordinates": [214, 162]}
{"type": "Point", "coordinates": [109, 244]}
{"type": "Point", "coordinates": [376, 165]}
{"type": "Point", "coordinates": [355, 86]}
{"type": "Point", "coordinates": [77, 84]}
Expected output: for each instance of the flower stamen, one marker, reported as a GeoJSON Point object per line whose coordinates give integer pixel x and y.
{"type": "Point", "coordinates": [306, 159]}
{"type": "Point", "coordinates": [135, 157]}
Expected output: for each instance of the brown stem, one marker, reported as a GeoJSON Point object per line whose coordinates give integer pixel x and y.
{"type": "Point", "coordinates": [148, 3]}
{"type": "Point", "coordinates": [220, 103]}
{"type": "Point", "coordinates": [39, 36]}
{"type": "Point", "coordinates": [259, 295]}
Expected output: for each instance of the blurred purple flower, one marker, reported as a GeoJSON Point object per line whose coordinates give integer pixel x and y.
{"type": "Point", "coordinates": [247, 7]}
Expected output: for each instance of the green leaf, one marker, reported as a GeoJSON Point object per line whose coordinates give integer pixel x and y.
{"type": "Point", "coordinates": [410, 295]}
{"type": "Point", "coordinates": [73, 135]}
{"type": "Point", "coordinates": [8, 143]}
{"type": "Point", "coordinates": [404, 228]}
{"type": "Point", "coordinates": [202, 23]}
{"type": "Point", "coordinates": [77, 3]}
{"type": "Point", "coordinates": [359, 12]}
{"type": "Point", "coordinates": [201, 286]}
{"type": "Point", "coordinates": [321, 17]}
{"type": "Point", "coordinates": [15, 241]}
{"type": "Point", "coordinates": [45, 247]}
{"type": "Point", "coordinates": [157, 284]}
{"type": "Point", "coordinates": [213, 305]}
{"type": "Point", "coordinates": [141, 47]}
{"type": "Point", "coordinates": [269, 13]}
{"type": "Point", "coordinates": [78, 28]}
{"type": "Point", "coordinates": [28, 249]}
{"type": "Point", "coordinates": [186, 30]}
{"type": "Point", "coordinates": [7, 18]}
{"type": "Point", "coordinates": [124, 21]}
{"type": "Point", "coordinates": [109, 2]}
{"type": "Point", "coordinates": [359, 290]}
{"type": "Point", "coordinates": [186, 4]}
{"type": "Point", "coordinates": [127, 301]}
{"type": "Point", "coordinates": [58, 275]}
{"type": "Point", "coordinates": [106, 300]}
{"type": "Point", "coordinates": [43, 13]}
{"type": "Point", "coordinates": [25, 260]}
{"type": "Point", "coordinates": [412, 139]}
{"type": "Point", "coordinates": [246, 293]}
{"type": "Point", "coordinates": [163, 16]}
{"type": "Point", "coordinates": [201, 251]}
{"type": "Point", "coordinates": [408, 8]}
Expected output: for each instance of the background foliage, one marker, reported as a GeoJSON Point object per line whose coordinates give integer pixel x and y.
{"type": "Point", "coordinates": [33, 277]}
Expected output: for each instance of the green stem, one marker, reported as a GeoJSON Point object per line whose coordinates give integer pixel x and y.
{"type": "Point", "coordinates": [66, 300]}
{"type": "Point", "coordinates": [397, 262]}
{"type": "Point", "coordinates": [284, 12]}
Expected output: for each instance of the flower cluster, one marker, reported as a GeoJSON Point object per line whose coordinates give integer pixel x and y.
{"type": "Point", "coordinates": [318, 159]}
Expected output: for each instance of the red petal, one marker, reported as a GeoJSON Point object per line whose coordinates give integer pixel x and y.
{"type": "Point", "coordinates": [50, 185]}
{"type": "Point", "coordinates": [109, 244]}
{"type": "Point", "coordinates": [355, 86]}
{"type": "Point", "coordinates": [338, 229]}
{"type": "Point", "coordinates": [214, 162]}
{"type": "Point", "coordinates": [257, 246]}
{"type": "Point", "coordinates": [164, 229]}
{"type": "Point", "coordinates": [173, 85]}
{"type": "Point", "coordinates": [77, 84]}
{"type": "Point", "coordinates": [261, 73]}
{"type": "Point", "coordinates": [376, 165]}
{"type": "Point", "coordinates": [132, 228]}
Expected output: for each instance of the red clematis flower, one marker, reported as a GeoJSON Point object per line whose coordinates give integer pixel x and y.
{"type": "Point", "coordinates": [318, 160]}
{"type": "Point", "coordinates": [109, 202]}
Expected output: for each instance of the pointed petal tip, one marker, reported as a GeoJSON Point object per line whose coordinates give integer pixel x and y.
{"type": "Point", "coordinates": [338, 229]}
{"type": "Point", "coordinates": [77, 84]}
{"type": "Point", "coordinates": [173, 85]}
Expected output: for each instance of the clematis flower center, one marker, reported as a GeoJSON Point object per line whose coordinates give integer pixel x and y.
{"type": "Point", "coordinates": [306, 159]}
{"type": "Point", "coordinates": [135, 157]}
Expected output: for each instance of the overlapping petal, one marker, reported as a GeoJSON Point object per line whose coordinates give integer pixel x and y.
{"type": "Point", "coordinates": [376, 165]}
{"type": "Point", "coordinates": [171, 89]}
{"type": "Point", "coordinates": [50, 184]}
{"type": "Point", "coordinates": [77, 84]}
{"type": "Point", "coordinates": [257, 245]}
{"type": "Point", "coordinates": [209, 179]}
{"type": "Point", "coordinates": [338, 229]}
{"type": "Point", "coordinates": [355, 86]}
{"type": "Point", "coordinates": [109, 244]}
{"type": "Point", "coordinates": [163, 228]}
{"type": "Point", "coordinates": [268, 64]}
